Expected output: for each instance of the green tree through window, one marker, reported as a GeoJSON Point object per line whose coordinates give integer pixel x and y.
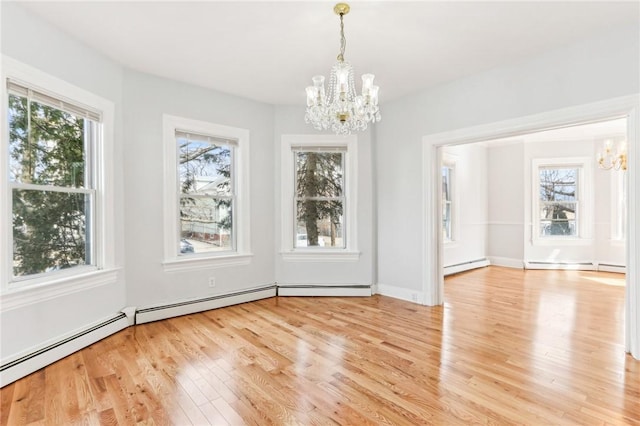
{"type": "Point", "coordinates": [319, 198]}
{"type": "Point", "coordinates": [51, 188]}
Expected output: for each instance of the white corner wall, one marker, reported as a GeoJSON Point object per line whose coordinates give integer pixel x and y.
{"type": "Point", "coordinates": [575, 74]}
{"type": "Point", "coordinates": [28, 326]}
{"type": "Point", "coordinates": [470, 205]}
{"type": "Point", "coordinates": [510, 239]}
{"type": "Point", "coordinates": [290, 121]}
{"type": "Point", "coordinates": [506, 204]}
{"type": "Point", "coordinates": [146, 99]}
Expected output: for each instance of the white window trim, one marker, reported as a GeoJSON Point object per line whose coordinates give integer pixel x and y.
{"type": "Point", "coordinates": [308, 254]}
{"type": "Point", "coordinates": [242, 253]}
{"type": "Point", "coordinates": [585, 201]}
{"type": "Point", "coordinates": [450, 161]}
{"type": "Point", "coordinates": [49, 285]}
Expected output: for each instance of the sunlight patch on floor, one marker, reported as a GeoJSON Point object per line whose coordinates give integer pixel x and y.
{"type": "Point", "coordinates": [619, 282]}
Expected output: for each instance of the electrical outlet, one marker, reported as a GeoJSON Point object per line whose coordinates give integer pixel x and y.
{"type": "Point", "coordinates": [212, 281]}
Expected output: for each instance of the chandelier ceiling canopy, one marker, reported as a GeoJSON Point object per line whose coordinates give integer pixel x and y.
{"type": "Point", "coordinates": [341, 110]}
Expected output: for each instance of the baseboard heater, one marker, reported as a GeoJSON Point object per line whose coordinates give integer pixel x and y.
{"type": "Point", "coordinates": [33, 361]}
{"type": "Point", "coordinates": [324, 290]}
{"type": "Point", "coordinates": [159, 312]}
{"type": "Point", "coordinates": [574, 266]}
{"type": "Point", "coordinates": [607, 267]}
{"type": "Point", "coordinates": [465, 266]}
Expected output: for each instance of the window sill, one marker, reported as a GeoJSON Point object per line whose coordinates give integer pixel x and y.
{"type": "Point", "coordinates": [321, 255]}
{"type": "Point", "coordinates": [24, 294]}
{"type": "Point", "coordinates": [560, 241]}
{"type": "Point", "coordinates": [209, 262]}
{"type": "Point", "coordinates": [618, 243]}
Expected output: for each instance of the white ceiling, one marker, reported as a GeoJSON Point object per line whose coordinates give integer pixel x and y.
{"type": "Point", "coordinates": [268, 51]}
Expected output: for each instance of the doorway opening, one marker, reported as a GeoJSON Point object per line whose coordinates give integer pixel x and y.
{"type": "Point", "coordinates": [620, 108]}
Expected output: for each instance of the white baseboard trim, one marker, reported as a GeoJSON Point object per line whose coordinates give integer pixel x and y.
{"type": "Point", "coordinates": [465, 266]}
{"type": "Point", "coordinates": [566, 266]}
{"type": "Point", "coordinates": [159, 312]}
{"type": "Point", "coordinates": [608, 267]}
{"type": "Point", "coordinates": [37, 358]}
{"type": "Point", "coordinates": [408, 295]}
{"type": "Point", "coordinates": [507, 262]}
{"type": "Point", "coordinates": [345, 290]}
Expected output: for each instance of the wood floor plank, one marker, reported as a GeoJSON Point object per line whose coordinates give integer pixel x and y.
{"type": "Point", "coordinates": [507, 347]}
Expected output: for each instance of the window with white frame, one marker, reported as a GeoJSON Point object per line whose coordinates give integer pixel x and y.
{"type": "Point", "coordinates": [206, 193]}
{"type": "Point", "coordinates": [206, 199]}
{"type": "Point", "coordinates": [561, 207]}
{"type": "Point", "coordinates": [559, 197]}
{"type": "Point", "coordinates": [447, 203]}
{"type": "Point", "coordinates": [319, 197]}
{"type": "Point", "coordinates": [52, 181]}
{"type": "Point", "coordinates": [58, 196]}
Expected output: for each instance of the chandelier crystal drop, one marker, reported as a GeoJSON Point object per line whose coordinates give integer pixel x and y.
{"type": "Point", "coordinates": [341, 110]}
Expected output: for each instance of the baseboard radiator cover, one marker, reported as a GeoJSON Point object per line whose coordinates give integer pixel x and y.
{"type": "Point", "coordinates": [39, 358]}
{"type": "Point", "coordinates": [465, 266]}
{"type": "Point", "coordinates": [609, 267]}
{"type": "Point", "coordinates": [357, 290]}
{"type": "Point", "coordinates": [160, 312]}
{"type": "Point", "coordinates": [573, 266]}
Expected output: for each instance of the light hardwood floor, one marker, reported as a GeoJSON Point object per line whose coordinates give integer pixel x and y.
{"type": "Point", "coordinates": [508, 346]}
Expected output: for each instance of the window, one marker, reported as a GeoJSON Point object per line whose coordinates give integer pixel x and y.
{"type": "Point", "coordinates": [206, 193]}
{"type": "Point", "coordinates": [319, 198]}
{"type": "Point", "coordinates": [206, 199]}
{"type": "Point", "coordinates": [51, 181]}
{"type": "Point", "coordinates": [561, 207]}
{"type": "Point", "coordinates": [447, 189]}
{"type": "Point", "coordinates": [58, 198]}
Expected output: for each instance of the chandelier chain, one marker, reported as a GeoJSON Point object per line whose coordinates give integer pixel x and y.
{"type": "Point", "coordinates": [343, 39]}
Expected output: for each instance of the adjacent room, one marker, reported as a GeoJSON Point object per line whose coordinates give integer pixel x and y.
{"type": "Point", "coordinates": [208, 217]}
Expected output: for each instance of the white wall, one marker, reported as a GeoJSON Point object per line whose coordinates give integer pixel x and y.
{"type": "Point", "coordinates": [470, 204]}
{"type": "Point", "coordinates": [290, 121]}
{"type": "Point", "coordinates": [146, 99]}
{"type": "Point", "coordinates": [506, 204]}
{"type": "Point", "coordinates": [30, 40]}
{"type": "Point", "coordinates": [598, 68]}
{"type": "Point", "coordinates": [510, 236]}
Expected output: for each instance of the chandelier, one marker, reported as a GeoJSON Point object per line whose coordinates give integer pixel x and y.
{"type": "Point", "coordinates": [342, 110]}
{"type": "Point", "coordinates": [613, 157]}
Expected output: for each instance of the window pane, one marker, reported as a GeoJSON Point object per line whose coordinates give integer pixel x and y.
{"type": "Point", "coordinates": [319, 174]}
{"type": "Point", "coordinates": [558, 184]}
{"type": "Point", "coordinates": [204, 168]}
{"type": "Point", "coordinates": [46, 145]}
{"type": "Point", "coordinates": [205, 224]}
{"type": "Point", "coordinates": [558, 219]}
{"type": "Point", "coordinates": [446, 184]}
{"type": "Point", "coordinates": [319, 224]}
{"type": "Point", "coordinates": [446, 220]}
{"type": "Point", "coordinates": [49, 231]}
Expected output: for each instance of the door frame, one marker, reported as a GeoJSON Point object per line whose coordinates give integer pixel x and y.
{"type": "Point", "coordinates": [623, 107]}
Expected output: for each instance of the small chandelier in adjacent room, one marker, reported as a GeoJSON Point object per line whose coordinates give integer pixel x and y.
{"type": "Point", "coordinates": [341, 110]}
{"type": "Point", "coordinates": [613, 157]}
